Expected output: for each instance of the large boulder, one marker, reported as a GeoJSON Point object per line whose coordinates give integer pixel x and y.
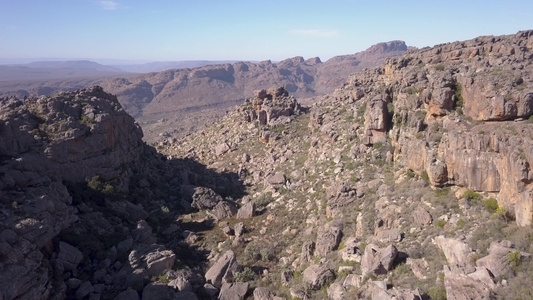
{"type": "Point", "coordinates": [223, 270]}
{"type": "Point", "coordinates": [233, 291]}
{"type": "Point", "coordinates": [205, 198]}
{"type": "Point", "coordinates": [378, 261]}
{"type": "Point", "coordinates": [317, 275]}
{"type": "Point", "coordinates": [328, 239]}
{"type": "Point", "coordinates": [457, 252]}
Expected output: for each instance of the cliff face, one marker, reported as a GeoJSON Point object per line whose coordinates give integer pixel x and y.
{"type": "Point", "coordinates": [458, 113]}
{"type": "Point", "coordinates": [46, 141]}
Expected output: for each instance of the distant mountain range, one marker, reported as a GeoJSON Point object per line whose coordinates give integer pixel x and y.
{"type": "Point", "coordinates": [180, 100]}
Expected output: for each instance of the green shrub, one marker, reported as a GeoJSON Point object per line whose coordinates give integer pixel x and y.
{"type": "Point", "coordinates": [439, 67]}
{"type": "Point", "coordinates": [491, 205]}
{"type": "Point", "coordinates": [247, 274]}
{"type": "Point", "coordinates": [440, 223]}
{"type": "Point", "coordinates": [458, 95]}
{"type": "Point", "coordinates": [437, 293]}
{"type": "Point", "coordinates": [515, 260]}
{"type": "Point", "coordinates": [472, 197]}
{"type": "Point", "coordinates": [460, 223]}
{"type": "Point", "coordinates": [390, 108]}
{"type": "Point", "coordinates": [424, 175]}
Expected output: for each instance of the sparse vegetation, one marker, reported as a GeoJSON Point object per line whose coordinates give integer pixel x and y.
{"type": "Point", "coordinates": [472, 197]}
{"type": "Point", "coordinates": [491, 205]}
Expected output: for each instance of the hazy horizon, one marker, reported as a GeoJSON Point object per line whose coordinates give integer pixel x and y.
{"type": "Point", "coordinates": [139, 31]}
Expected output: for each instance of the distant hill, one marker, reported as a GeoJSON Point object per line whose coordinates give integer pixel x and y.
{"type": "Point", "coordinates": [182, 100]}
{"type": "Point", "coordinates": [56, 69]}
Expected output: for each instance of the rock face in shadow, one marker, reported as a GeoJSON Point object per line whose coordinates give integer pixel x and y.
{"type": "Point", "coordinates": [45, 141]}
{"type": "Point", "coordinates": [81, 193]}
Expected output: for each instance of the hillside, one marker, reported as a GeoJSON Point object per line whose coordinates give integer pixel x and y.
{"type": "Point", "coordinates": [412, 180]}
{"type": "Point", "coordinates": [45, 70]}
{"type": "Point", "coordinates": [181, 100]}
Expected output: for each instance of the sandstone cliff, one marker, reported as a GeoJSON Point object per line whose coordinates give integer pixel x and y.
{"type": "Point", "coordinates": [458, 112]}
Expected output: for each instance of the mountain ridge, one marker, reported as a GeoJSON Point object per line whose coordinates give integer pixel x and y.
{"type": "Point", "coordinates": [163, 101]}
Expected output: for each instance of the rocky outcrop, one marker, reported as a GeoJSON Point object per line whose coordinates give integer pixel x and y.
{"type": "Point", "coordinates": [377, 260]}
{"type": "Point", "coordinates": [71, 137]}
{"type": "Point", "coordinates": [317, 275]}
{"type": "Point", "coordinates": [269, 106]}
{"type": "Point", "coordinates": [456, 113]}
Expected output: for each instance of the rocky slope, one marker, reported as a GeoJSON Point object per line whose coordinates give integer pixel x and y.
{"type": "Point", "coordinates": [413, 180]}
{"type": "Point", "coordinates": [410, 181]}
{"type": "Point", "coordinates": [181, 100]}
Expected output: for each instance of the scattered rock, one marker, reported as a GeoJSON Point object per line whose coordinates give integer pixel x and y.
{"type": "Point", "coordinates": [317, 275]}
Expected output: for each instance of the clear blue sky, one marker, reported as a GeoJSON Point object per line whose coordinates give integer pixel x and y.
{"type": "Point", "coordinates": [242, 30]}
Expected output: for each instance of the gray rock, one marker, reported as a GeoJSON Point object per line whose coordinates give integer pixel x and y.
{"type": "Point", "coordinates": [421, 216]}
{"type": "Point", "coordinates": [336, 292]}
{"type": "Point", "coordinates": [277, 179]}
{"type": "Point", "coordinates": [223, 270]}
{"type": "Point", "coordinates": [159, 262]}
{"type": "Point", "coordinates": [456, 251]}
{"type": "Point", "coordinates": [261, 293]}
{"type": "Point", "coordinates": [186, 295]}
{"type": "Point", "coordinates": [129, 294]}
{"type": "Point", "coordinates": [317, 275]}
{"type": "Point", "coordinates": [222, 148]}
{"type": "Point", "coordinates": [158, 291]}
{"type": "Point", "coordinates": [233, 291]}
{"type": "Point", "coordinates": [210, 290]}
{"type": "Point", "coordinates": [205, 198]}
{"type": "Point", "coordinates": [389, 235]}
{"type": "Point", "coordinates": [69, 256]}
{"type": "Point", "coordinates": [308, 249]}
{"type": "Point", "coordinates": [246, 211]}
{"type": "Point", "coordinates": [328, 239]}
{"type": "Point", "coordinates": [239, 229]}
{"type": "Point", "coordinates": [85, 289]}
{"type": "Point", "coordinates": [377, 260]}
{"type": "Point", "coordinates": [460, 286]}
{"type": "Point", "coordinates": [224, 209]}
{"type": "Point", "coordinates": [498, 262]}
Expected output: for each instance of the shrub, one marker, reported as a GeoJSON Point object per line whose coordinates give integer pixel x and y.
{"type": "Point", "coordinates": [247, 274]}
{"type": "Point", "coordinates": [437, 293]}
{"type": "Point", "coordinates": [440, 223]}
{"type": "Point", "coordinates": [491, 205]}
{"type": "Point", "coordinates": [439, 67]}
{"type": "Point", "coordinates": [472, 197]}
{"type": "Point", "coordinates": [460, 223]}
{"type": "Point", "coordinates": [515, 260]}
{"type": "Point", "coordinates": [390, 108]}
{"type": "Point", "coordinates": [424, 175]}
{"type": "Point", "coordinates": [458, 95]}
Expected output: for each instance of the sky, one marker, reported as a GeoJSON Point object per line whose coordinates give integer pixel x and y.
{"type": "Point", "coordinates": [255, 30]}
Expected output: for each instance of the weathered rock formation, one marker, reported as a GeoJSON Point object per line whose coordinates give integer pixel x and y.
{"type": "Point", "coordinates": [449, 112]}
{"type": "Point", "coordinates": [45, 141]}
